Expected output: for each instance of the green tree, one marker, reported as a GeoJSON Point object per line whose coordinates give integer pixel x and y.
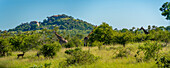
{"type": "Point", "coordinates": [124, 30]}
{"type": "Point", "coordinates": [165, 9]}
{"type": "Point", "coordinates": [133, 28]}
{"type": "Point", "coordinates": [153, 27]}
{"type": "Point", "coordinates": [5, 46]}
{"type": "Point", "coordinates": [149, 27]}
{"type": "Point", "coordinates": [17, 42]}
{"type": "Point", "coordinates": [123, 38]}
{"type": "Point", "coordinates": [168, 28]}
{"type": "Point", "coordinates": [31, 41]}
{"type": "Point", "coordinates": [103, 33]}
{"type": "Point", "coordinates": [23, 42]}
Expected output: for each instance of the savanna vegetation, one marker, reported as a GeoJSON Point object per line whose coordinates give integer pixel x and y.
{"type": "Point", "coordinates": [42, 45]}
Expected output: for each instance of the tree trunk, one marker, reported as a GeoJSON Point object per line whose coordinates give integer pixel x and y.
{"type": "Point", "coordinates": [123, 45]}
{"type": "Point", "coordinates": [3, 54]}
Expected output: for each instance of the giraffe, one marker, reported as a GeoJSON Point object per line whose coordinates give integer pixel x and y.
{"type": "Point", "coordinates": [61, 39]}
{"type": "Point", "coordinates": [144, 30]}
{"type": "Point", "coordinates": [87, 37]}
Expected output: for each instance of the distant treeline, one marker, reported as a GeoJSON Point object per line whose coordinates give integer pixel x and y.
{"type": "Point", "coordinates": [104, 33]}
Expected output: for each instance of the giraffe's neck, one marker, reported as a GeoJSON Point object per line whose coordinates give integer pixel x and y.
{"type": "Point", "coordinates": [58, 36]}
{"type": "Point", "coordinates": [145, 31]}
{"type": "Point", "coordinates": [61, 39]}
{"type": "Point", "coordinates": [89, 34]}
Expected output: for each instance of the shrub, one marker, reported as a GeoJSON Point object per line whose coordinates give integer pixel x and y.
{"type": "Point", "coordinates": [78, 57]}
{"type": "Point", "coordinates": [69, 45]}
{"type": "Point", "coordinates": [47, 65]}
{"type": "Point", "coordinates": [123, 52]}
{"type": "Point", "coordinates": [74, 42]}
{"type": "Point", "coordinates": [81, 57]}
{"type": "Point", "coordinates": [163, 62]}
{"type": "Point", "coordinates": [72, 50]}
{"type": "Point", "coordinates": [150, 50]}
{"type": "Point", "coordinates": [49, 50]}
{"type": "Point", "coordinates": [96, 43]}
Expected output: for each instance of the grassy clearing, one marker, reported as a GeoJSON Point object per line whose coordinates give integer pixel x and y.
{"type": "Point", "coordinates": [106, 60]}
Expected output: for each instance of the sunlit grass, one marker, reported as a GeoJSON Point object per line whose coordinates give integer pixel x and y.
{"type": "Point", "coordinates": [106, 60]}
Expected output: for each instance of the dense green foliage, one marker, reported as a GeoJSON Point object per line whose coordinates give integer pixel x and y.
{"type": "Point", "coordinates": [62, 21]}
{"type": "Point", "coordinates": [164, 62]}
{"type": "Point", "coordinates": [123, 52]}
{"type": "Point", "coordinates": [150, 50]}
{"type": "Point", "coordinates": [123, 38]}
{"type": "Point", "coordinates": [96, 43]}
{"type": "Point", "coordinates": [24, 42]}
{"type": "Point", "coordinates": [70, 51]}
{"type": "Point", "coordinates": [104, 33]}
{"type": "Point", "coordinates": [5, 46]}
{"type": "Point", "coordinates": [165, 9]}
{"type": "Point", "coordinates": [46, 65]}
{"type": "Point", "coordinates": [75, 41]}
{"type": "Point", "coordinates": [77, 56]}
{"type": "Point", "coordinates": [49, 50]}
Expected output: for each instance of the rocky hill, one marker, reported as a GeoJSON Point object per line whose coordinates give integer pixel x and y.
{"type": "Point", "coordinates": [62, 21]}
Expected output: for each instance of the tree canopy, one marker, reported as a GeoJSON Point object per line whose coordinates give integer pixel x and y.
{"type": "Point", "coordinates": [165, 9]}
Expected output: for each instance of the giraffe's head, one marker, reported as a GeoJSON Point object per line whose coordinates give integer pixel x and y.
{"type": "Point", "coordinates": [141, 28]}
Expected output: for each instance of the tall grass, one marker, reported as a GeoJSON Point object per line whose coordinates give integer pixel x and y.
{"type": "Point", "coordinates": [107, 59]}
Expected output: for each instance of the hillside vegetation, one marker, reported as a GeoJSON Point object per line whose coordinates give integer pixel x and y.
{"type": "Point", "coordinates": [62, 21]}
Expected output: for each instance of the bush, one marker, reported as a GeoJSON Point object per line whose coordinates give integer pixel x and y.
{"type": "Point", "coordinates": [35, 66]}
{"type": "Point", "coordinates": [79, 57]}
{"type": "Point", "coordinates": [74, 42]}
{"type": "Point", "coordinates": [72, 50]}
{"type": "Point", "coordinates": [99, 44]}
{"type": "Point", "coordinates": [46, 65]}
{"type": "Point", "coordinates": [123, 52]}
{"type": "Point", "coordinates": [69, 45]}
{"type": "Point", "coordinates": [150, 50]}
{"type": "Point", "coordinates": [96, 43]}
{"type": "Point", "coordinates": [163, 62]}
{"type": "Point", "coordinates": [49, 50]}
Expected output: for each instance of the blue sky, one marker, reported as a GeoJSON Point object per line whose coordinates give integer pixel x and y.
{"type": "Point", "coordinates": [117, 13]}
